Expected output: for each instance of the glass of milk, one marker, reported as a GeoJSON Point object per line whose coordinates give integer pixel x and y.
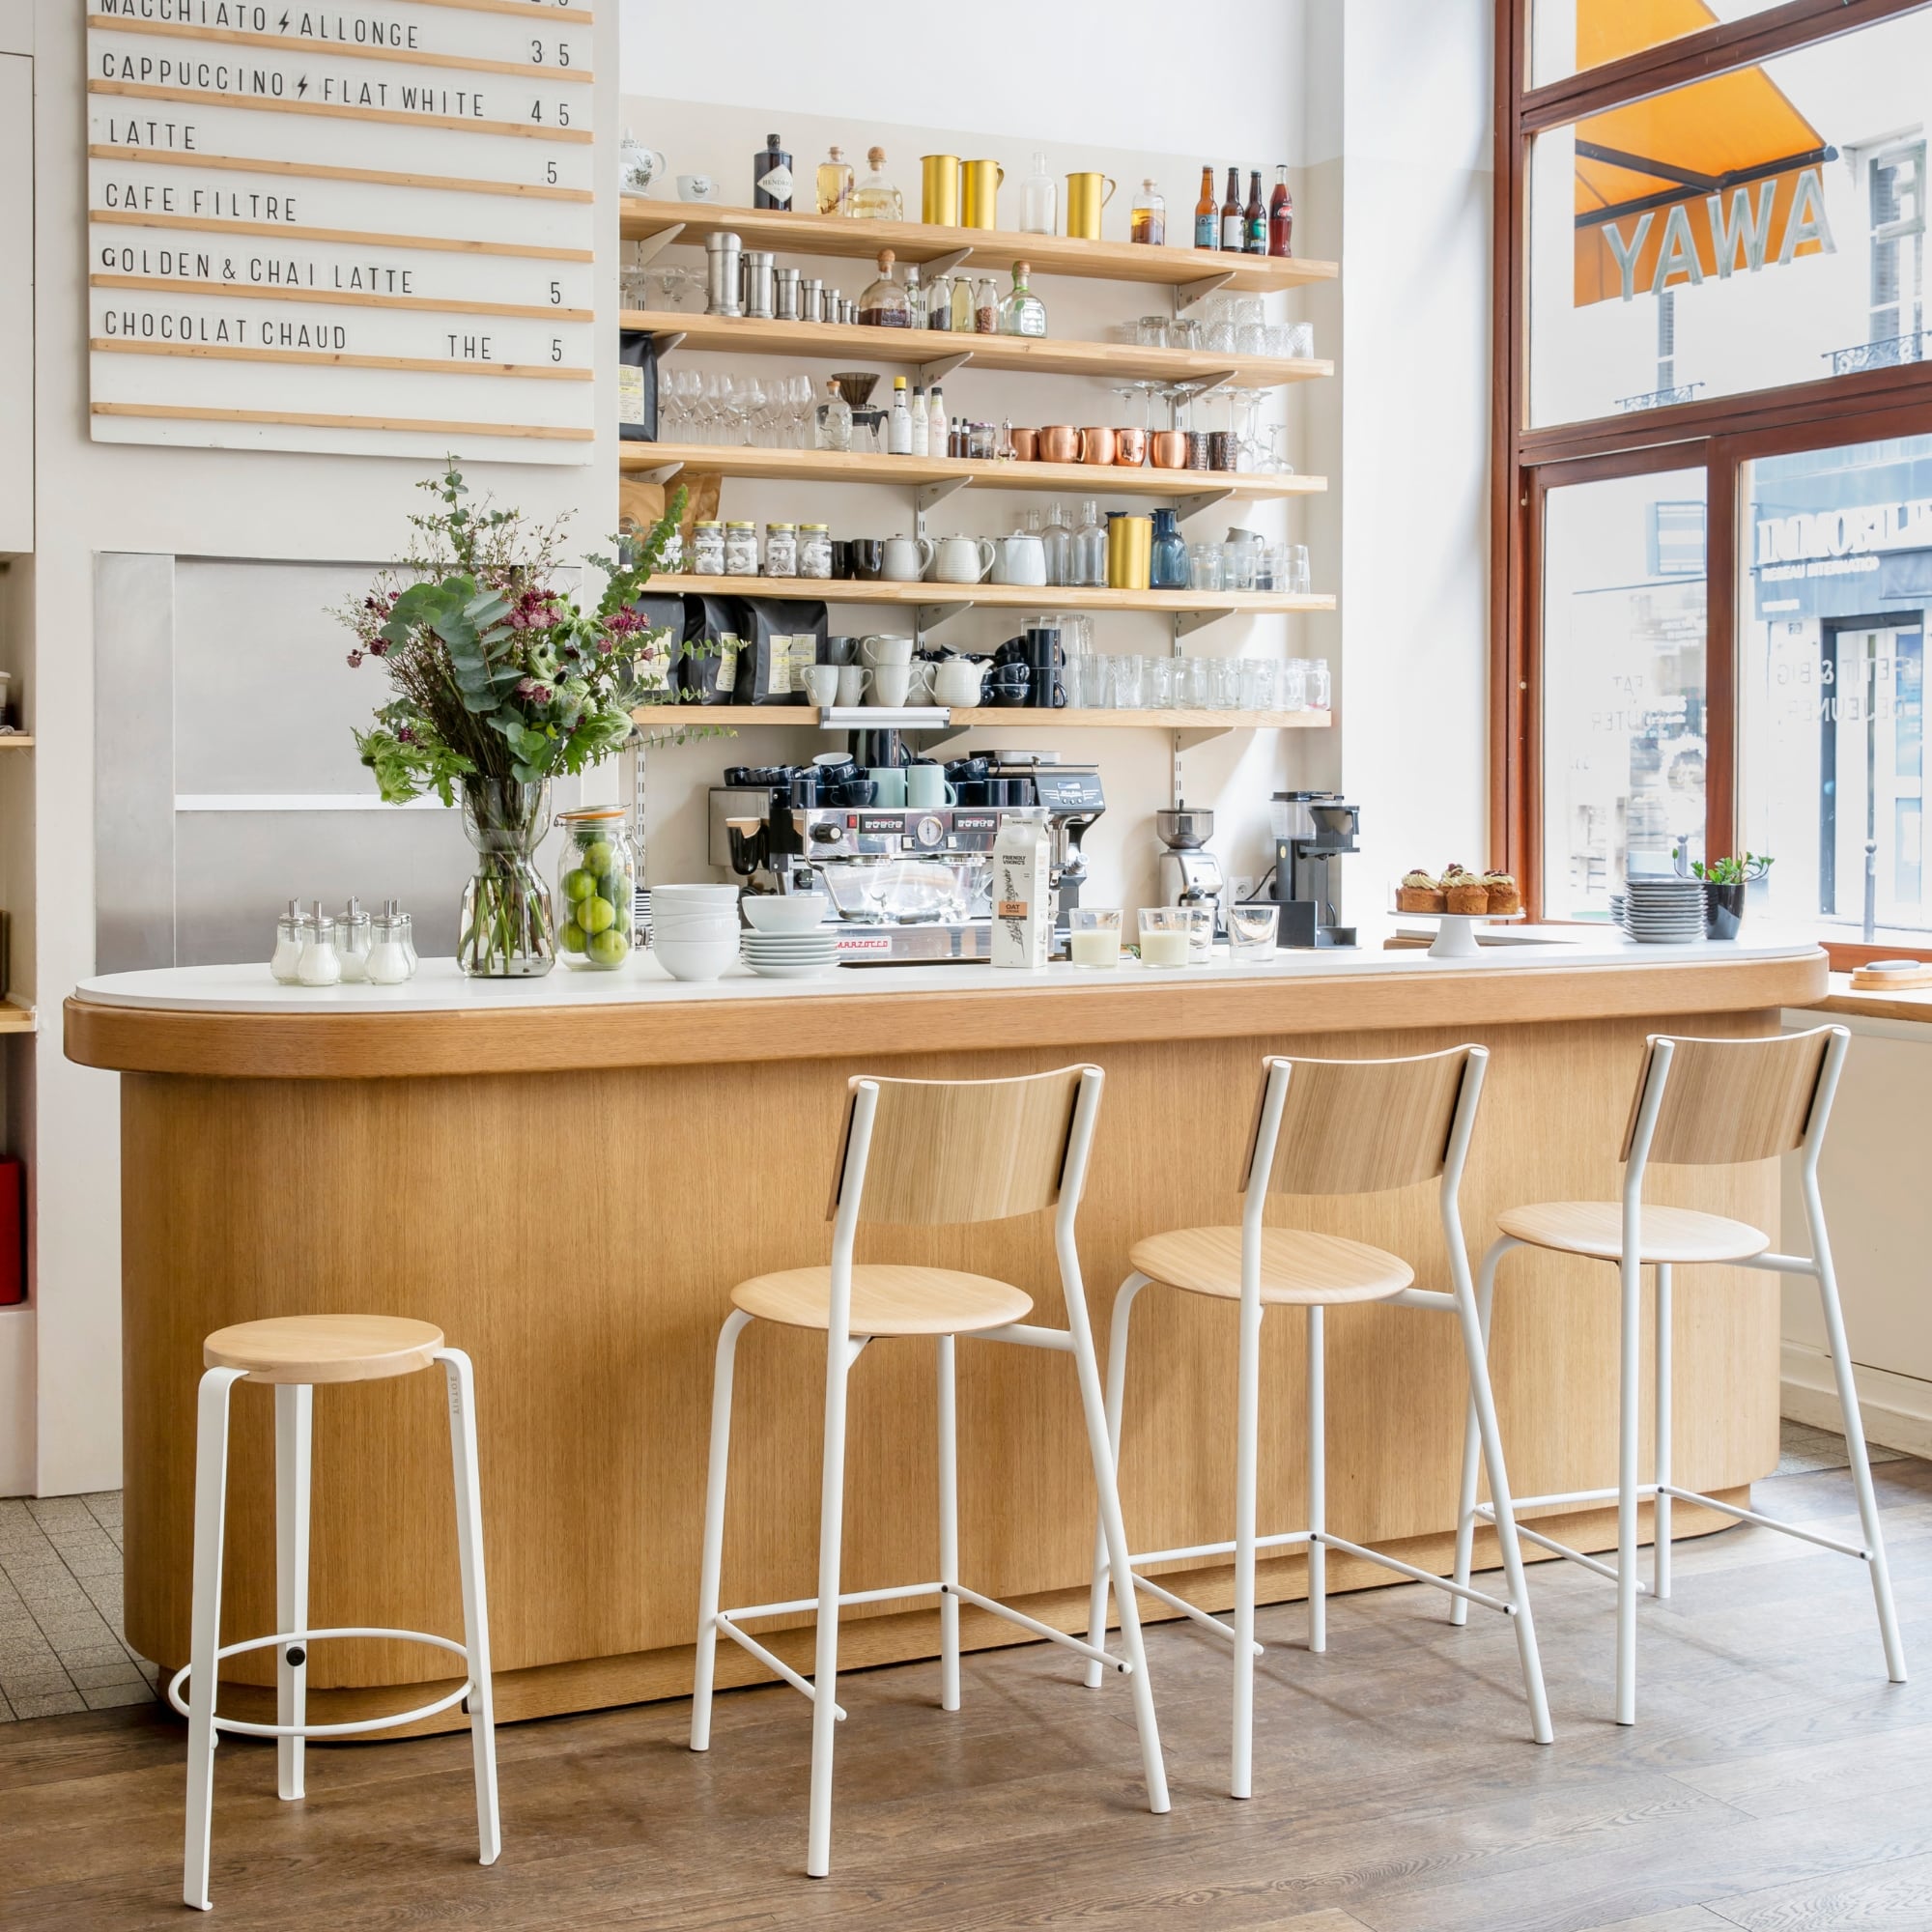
{"type": "Point", "coordinates": [1166, 933]}
{"type": "Point", "coordinates": [1094, 935]}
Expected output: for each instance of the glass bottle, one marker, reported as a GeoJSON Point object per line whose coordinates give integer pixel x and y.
{"type": "Point", "coordinates": [1255, 219]}
{"type": "Point", "coordinates": [921, 423]}
{"type": "Point", "coordinates": [288, 937]}
{"type": "Point", "coordinates": [899, 425]}
{"type": "Point", "coordinates": [835, 184]}
{"type": "Point", "coordinates": [1039, 200]}
{"type": "Point", "coordinates": [1149, 221]}
{"type": "Point", "coordinates": [1168, 564]}
{"type": "Point", "coordinates": [1022, 313]}
{"type": "Point", "coordinates": [937, 443]}
{"type": "Point", "coordinates": [771, 176]}
{"type": "Point", "coordinates": [939, 303]}
{"type": "Point", "coordinates": [835, 418]}
{"type": "Point", "coordinates": [915, 298]}
{"type": "Point", "coordinates": [1207, 217]}
{"type": "Point", "coordinates": [985, 307]}
{"type": "Point", "coordinates": [875, 198]}
{"type": "Point", "coordinates": [963, 305]}
{"type": "Point", "coordinates": [884, 303]}
{"type": "Point", "coordinates": [1281, 215]}
{"type": "Point", "coordinates": [1234, 221]}
{"type": "Point", "coordinates": [1090, 547]}
{"type": "Point", "coordinates": [1058, 540]}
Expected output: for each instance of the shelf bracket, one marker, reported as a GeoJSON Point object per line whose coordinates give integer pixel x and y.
{"type": "Point", "coordinates": [661, 472]}
{"type": "Point", "coordinates": [937, 371]}
{"type": "Point", "coordinates": [1204, 499]}
{"type": "Point", "coordinates": [929, 617]}
{"type": "Point", "coordinates": [931, 494]}
{"type": "Point", "coordinates": [1186, 622]}
{"type": "Point", "coordinates": [664, 344]}
{"type": "Point", "coordinates": [1185, 741]}
{"type": "Point", "coordinates": [944, 265]}
{"type": "Point", "coordinates": [1187, 293]}
{"type": "Point", "coordinates": [651, 246]}
{"type": "Point", "coordinates": [1207, 384]}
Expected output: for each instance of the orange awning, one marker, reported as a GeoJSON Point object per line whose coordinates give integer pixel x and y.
{"type": "Point", "coordinates": [1648, 173]}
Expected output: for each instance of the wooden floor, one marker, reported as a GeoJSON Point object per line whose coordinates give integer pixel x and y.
{"type": "Point", "coordinates": [1774, 1782]}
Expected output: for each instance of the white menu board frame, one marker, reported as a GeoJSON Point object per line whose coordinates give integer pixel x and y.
{"type": "Point", "coordinates": [365, 228]}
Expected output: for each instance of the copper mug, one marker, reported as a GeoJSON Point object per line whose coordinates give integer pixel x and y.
{"type": "Point", "coordinates": [1130, 447]}
{"type": "Point", "coordinates": [1167, 450]}
{"type": "Point", "coordinates": [1026, 444]}
{"type": "Point", "coordinates": [1058, 442]}
{"type": "Point", "coordinates": [1096, 446]}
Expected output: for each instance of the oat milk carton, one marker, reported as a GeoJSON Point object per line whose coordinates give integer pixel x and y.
{"type": "Point", "coordinates": [1022, 889]}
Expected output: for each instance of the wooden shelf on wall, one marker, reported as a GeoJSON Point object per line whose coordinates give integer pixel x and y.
{"type": "Point", "coordinates": [1190, 489]}
{"type": "Point", "coordinates": [15, 1018]}
{"type": "Point", "coordinates": [950, 597]}
{"type": "Point", "coordinates": [937, 351]}
{"type": "Point", "coordinates": [798, 234]}
{"type": "Point", "coordinates": [16, 741]}
{"type": "Point", "coordinates": [1000, 717]}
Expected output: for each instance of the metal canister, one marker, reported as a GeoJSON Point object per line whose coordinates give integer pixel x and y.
{"type": "Point", "coordinates": [811, 303]}
{"type": "Point", "coordinates": [723, 253]}
{"type": "Point", "coordinates": [939, 190]}
{"type": "Point", "coordinates": [1129, 550]}
{"type": "Point", "coordinates": [786, 303]}
{"type": "Point", "coordinates": [758, 282]}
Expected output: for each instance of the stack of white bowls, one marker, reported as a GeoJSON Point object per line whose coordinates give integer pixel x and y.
{"type": "Point", "coordinates": [1664, 910]}
{"type": "Point", "coordinates": [789, 939]}
{"type": "Point", "coordinates": [695, 929]}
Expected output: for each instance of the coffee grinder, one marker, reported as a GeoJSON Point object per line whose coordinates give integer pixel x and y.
{"type": "Point", "coordinates": [1190, 874]}
{"type": "Point", "coordinates": [1311, 831]}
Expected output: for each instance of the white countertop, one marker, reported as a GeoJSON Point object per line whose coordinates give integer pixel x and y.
{"type": "Point", "coordinates": [438, 987]}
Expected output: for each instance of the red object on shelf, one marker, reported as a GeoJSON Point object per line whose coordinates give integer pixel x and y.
{"type": "Point", "coordinates": [12, 1231]}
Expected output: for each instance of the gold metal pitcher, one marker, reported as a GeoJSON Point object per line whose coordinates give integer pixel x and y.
{"type": "Point", "coordinates": [1129, 552]}
{"type": "Point", "coordinates": [939, 189]}
{"type": "Point", "coordinates": [1084, 203]}
{"type": "Point", "coordinates": [980, 196]}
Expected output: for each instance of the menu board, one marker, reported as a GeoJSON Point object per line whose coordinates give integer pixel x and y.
{"type": "Point", "coordinates": [363, 228]}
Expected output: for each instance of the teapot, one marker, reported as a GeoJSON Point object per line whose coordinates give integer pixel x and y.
{"type": "Point", "coordinates": [637, 166]}
{"type": "Point", "coordinates": [1019, 559]}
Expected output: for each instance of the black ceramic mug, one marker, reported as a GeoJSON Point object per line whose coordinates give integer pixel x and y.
{"type": "Point", "coordinates": [841, 556]}
{"type": "Point", "coordinates": [868, 559]}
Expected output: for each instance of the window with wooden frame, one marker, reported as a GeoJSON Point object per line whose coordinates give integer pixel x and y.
{"type": "Point", "coordinates": [1712, 498]}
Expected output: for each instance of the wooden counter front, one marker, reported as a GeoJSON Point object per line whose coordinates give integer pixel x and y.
{"type": "Point", "coordinates": [571, 1192]}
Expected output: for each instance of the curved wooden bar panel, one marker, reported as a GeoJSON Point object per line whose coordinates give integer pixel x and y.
{"type": "Point", "coordinates": [571, 1193]}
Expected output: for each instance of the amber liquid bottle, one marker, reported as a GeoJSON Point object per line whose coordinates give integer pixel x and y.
{"type": "Point", "coordinates": [1281, 215]}
{"type": "Point", "coordinates": [1233, 220]}
{"type": "Point", "coordinates": [1206, 215]}
{"type": "Point", "coordinates": [1255, 217]}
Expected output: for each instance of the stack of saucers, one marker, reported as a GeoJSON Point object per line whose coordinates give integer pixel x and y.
{"type": "Point", "coordinates": [789, 955]}
{"type": "Point", "coordinates": [1665, 911]}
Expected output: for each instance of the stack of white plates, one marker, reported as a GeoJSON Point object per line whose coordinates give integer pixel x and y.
{"type": "Point", "coordinates": [1666, 911]}
{"type": "Point", "coordinates": [790, 955]}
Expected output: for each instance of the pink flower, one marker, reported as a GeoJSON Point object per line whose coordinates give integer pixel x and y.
{"type": "Point", "coordinates": [355, 659]}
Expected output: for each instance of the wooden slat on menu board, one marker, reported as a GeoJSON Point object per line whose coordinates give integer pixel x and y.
{"type": "Point", "coordinates": [158, 284]}
{"type": "Point", "coordinates": [134, 89]}
{"type": "Point", "coordinates": [359, 238]}
{"type": "Point", "coordinates": [103, 151]}
{"type": "Point", "coordinates": [439, 365]}
{"type": "Point", "coordinates": [234, 37]}
{"type": "Point", "coordinates": [315, 420]}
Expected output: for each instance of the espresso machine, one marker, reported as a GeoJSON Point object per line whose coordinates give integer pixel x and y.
{"type": "Point", "coordinates": [1311, 831]}
{"type": "Point", "coordinates": [1191, 875]}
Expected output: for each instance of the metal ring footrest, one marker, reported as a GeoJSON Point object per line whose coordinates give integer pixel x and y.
{"type": "Point", "coordinates": [346, 1730]}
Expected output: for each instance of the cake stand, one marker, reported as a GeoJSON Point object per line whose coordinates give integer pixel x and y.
{"type": "Point", "coordinates": [1455, 931]}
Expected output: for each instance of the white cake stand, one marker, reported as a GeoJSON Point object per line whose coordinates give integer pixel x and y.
{"type": "Point", "coordinates": [1455, 931]}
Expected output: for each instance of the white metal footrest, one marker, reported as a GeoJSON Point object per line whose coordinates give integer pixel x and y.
{"type": "Point", "coordinates": [1486, 1513]}
{"type": "Point", "coordinates": [1829, 1543]}
{"type": "Point", "coordinates": [344, 1730]}
{"type": "Point", "coordinates": [1414, 1575]}
{"type": "Point", "coordinates": [1038, 1629]}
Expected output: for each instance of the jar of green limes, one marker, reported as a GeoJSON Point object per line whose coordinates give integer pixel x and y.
{"type": "Point", "coordinates": [597, 888]}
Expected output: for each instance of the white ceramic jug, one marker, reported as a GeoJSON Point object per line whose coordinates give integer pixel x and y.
{"type": "Point", "coordinates": [907, 557]}
{"type": "Point", "coordinates": [1019, 559]}
{"type": "Point", "coordinates": [963, 560]}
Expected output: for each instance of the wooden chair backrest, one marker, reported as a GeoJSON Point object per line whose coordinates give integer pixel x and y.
{"type": "Point", "coordinates": [947, 1152]}
{"type": "Point", "coordinates": [1731, 1100]}
{"type": "Point", "coordinates": [1359, 1127]}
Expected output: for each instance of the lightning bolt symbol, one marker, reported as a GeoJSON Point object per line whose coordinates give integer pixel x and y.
{"type": "Point", "coordinates": [285, 24]}
{"type": "Point", "coordinates": [302, 87]}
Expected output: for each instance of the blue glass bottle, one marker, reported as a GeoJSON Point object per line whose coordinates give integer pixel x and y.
{"type": "Point", "coordinates": [1167, 569]}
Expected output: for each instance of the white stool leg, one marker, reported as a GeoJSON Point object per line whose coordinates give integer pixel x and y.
{"type": "Point", "coordinates": [1659, 1574]}
{"type": "Point", "coordinates": [1465, 1506]}
{"type": "Point", "coordinates": [1630, 1392]}
{"type": "Point", "coordinates": [211, 1496]}
{"type": "Point", "coordinates": [735, 1324]}
{"type": "Point", "coordinates": [825, 1666]}
{"type": "Point", "coordinates": [1247, 1423]}
{"type": "Point", "coordinates": [295, 1410]}
{"type": "Point", "coordinates": [948, 1527]}
{"type": "Point", "coordinates": [476, 1601]}
{"type": "Point", "coordinates": [1116, 1389]}
{"type": "Point", "coordinates": [1318, 1484]}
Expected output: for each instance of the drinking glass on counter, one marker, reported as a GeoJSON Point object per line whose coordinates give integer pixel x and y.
{"type": "Point", "coordinates": [1251, 931]}
{"type": "Point", "coordinates": [1093, 936]}
{"type": "Point", "coordinates": [1166, 934]}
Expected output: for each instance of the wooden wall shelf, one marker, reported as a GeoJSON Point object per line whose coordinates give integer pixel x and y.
{"type": "Point", "coordinates": [1189, 488]}
{"type": "Point", "coordinates": [1002, 717]}
{"type": "Point", "coordinates": [15, 1018]}
{"type": "Point", "coordinates": [16, 741]}
{"type": "Point", "coordinates": [950, 597]}
{"type": "Point", "coordinates": [798, 234]}
{"type": "Point", "coordinates": [929, 349]}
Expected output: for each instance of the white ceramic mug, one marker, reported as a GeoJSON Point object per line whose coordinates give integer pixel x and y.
{"type": "Point", "coordinates": [907, 558]}
{"type": "Point", "coordinates": [926, 787]}
{"type": "Point", "coordinates": [1019, 559]}
{"type": "Point", "coordinates": [876, 651]}
{"type": "Point", "coordinates": [890, 685]}
{"type": "Point", "coordinates": [821, 684]}
{"type": "Point", "coordinates": [963, 560]}
{"type": "Point", "coordinates": [854, 680]}
{"type": "Point", "coordinates": [960, 683]}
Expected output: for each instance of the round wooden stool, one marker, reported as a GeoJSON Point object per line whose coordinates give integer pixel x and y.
{"type": "Point", "coordinates": [292, 1353]}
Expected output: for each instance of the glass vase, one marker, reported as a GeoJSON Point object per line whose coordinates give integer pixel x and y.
{"type": "Point", "coordinates": [506, 931]}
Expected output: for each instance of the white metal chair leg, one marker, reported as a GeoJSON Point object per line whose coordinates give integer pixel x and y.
{"type": "Point", "coordinates": [295, 1410]}
{"type": "Point", "coordinates": [211, 1496]}
{"type": "Point", "coordinates": [948, 1527]}
{"type": "Point", "coordinates": [1247, 1416]}
{"type": "Point", "coordinates": [476, 1597]}
{"type": "Point", "coordinates": [1466, 1505]}
{"type": "Point", "coordinates": [1117, 1388]}
{"type": "Point", "coordinates": [1630, 1394]}
{"type": "Point", "coordinates": [735, 1324]}
{"type": "Point", "coordinates": [1659, 1574]}
{"type": "Point", "coordinates": [1318, 1483]}
{"type": "Point", "coordinates": [825, 1667]}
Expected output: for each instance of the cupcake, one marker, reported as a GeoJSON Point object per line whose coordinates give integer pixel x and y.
{"type": "Point", "coordinates": [1465, 891]}
{"type": "Point", "coordinates": [1419, 892]}
{"type": "Point", "coordinates": [1504, 893]}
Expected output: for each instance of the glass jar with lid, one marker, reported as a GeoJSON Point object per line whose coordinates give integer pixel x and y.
{"type": "Point", "coordinates": [352, 938]}
{"type": "Point", "coordinates": [815, 550]}
{"type": "Point", "coordinates": [884, 304]}
{"type": "Point", "coordinates": [707, 549]}
{"type": "Point", "coordinates": [741, 549]}
{"type": "Point", "coordinates": [291, 934]}
{"type": "Point", "coordinates": [391, 957]}
{"type": "Point", "coordinates": [597, 888]}
{"type": "Point", "coordinates": [781, 549]}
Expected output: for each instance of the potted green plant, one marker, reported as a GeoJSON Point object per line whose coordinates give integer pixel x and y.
{"type": "Point", "coordinates": [500, 681]}
{"type": "Point", "coordinates": [1725, 882]}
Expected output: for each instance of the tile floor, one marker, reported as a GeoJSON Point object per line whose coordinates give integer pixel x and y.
{"type": "Point", "coordinates": [61, 1646]}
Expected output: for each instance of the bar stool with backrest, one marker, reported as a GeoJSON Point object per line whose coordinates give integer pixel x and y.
{"type": "Point", "coordinates": [1330, 1127]}
{"type": "Point", "coordinates": [1698, 1103]}
{"type": "Point", "coordinates": [922, 1153]}
{"type": "Point", "coordinates": [293, 1354]}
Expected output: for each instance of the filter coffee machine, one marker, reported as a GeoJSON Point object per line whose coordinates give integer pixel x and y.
{"type": "Point", "coordinates": [1311, 831]}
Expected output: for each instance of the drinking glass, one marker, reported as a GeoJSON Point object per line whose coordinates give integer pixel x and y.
{"type": "Point", "coordinates": [1221, 686]}
{"type": "Point", "coordinates": [1203, 566]}
{"type": "Point", "coordinates": [1251, 338]}
{"type": "Point", "coordinates": [1302, 338]}
{"type": "Point", "coordinates": [1316, 670]}
{"type": "Point", "coordinates": [1291, 685]}
{"type": "Point", "coordinates": [1251, 932]}
{"type": "Point", "coordinates": [1257, 683]}
{"type": "Point", "coordinates": [1190, 688]}
{"type": "Point", "coordinates": [1166, 932]}
{"type": "Point", "coordinates": [1295, 579]}
{"type": "Point", "coordinates": [1238, 566]}
{"type": "Point", "coordinates": [1093, 936]}
{"type": "Point", "coordinates": [1129, 681]}
{"type": "Point", "coordinates": [1160, 684]}
{"type": "Point", "coordinates": [1184, 332]}
{"type": "Point", "coordinates": [1152, 331]}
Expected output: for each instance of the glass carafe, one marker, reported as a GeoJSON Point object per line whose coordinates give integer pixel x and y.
{"type": "Point", "coordinates": [1088, 558]}
{"type": "Point", "coordinates": [1168, 568]}
{"type": "Point", "coordinates": [1039, 200]}
{"type": "Point", "coordinates": [884, 303]}
{"type": "Point", "coordinates": [876, 197]}
{"type": "Point", "coordinates": [1058, 537]}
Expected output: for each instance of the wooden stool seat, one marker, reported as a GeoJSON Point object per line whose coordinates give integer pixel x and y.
{"type": "Point", "coordinates": [886, 1299]}
{"type": "Point", "coordinates": [1596, 1228]}
{"type": "Point", "coordinates": [324, 1347]}
{"type": "Point", "coordinates": [1298, 1268]}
